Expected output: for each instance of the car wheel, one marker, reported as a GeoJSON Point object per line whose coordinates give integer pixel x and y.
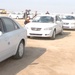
{"type": "Point", "coordinates": [53, 35]}
{"type": "Point", "coordinates": [20, 51]}
{"type": "Point", "coordinates": [28, 36]}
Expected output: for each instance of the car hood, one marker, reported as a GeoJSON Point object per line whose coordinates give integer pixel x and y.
{"type": "Point", "coordinates": [68, 21]}
{"type": "Point", "coordinates": [40, 25]}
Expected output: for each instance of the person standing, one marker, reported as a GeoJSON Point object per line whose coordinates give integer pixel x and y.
{"type": "Point", "coordinates": [47, 12]}
{"type": "Point", "coordinates": [35, 14]}
{"type": "Point", "coordinates": [25, 14]}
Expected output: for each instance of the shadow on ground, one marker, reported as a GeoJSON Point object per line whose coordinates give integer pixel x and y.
{"type": "Point", "coordinates": [65, 34]}
{"type": "Point", "coordinates": [12, 67]}
{"type": "Point", "coordinates": [69, 29]}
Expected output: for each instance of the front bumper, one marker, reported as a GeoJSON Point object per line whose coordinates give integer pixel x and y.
{"type": "Point", "coordinates": [68, 26]}
{"type": "Point", "coordinates": [44, 33]}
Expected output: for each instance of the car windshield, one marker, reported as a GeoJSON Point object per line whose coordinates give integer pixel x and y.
{"type": "Point", "coordinates": [68, 18]}
{"type": "Point", "coordinates": [13, 13]}
{"type": "Point", "coordinates": [43, 19]}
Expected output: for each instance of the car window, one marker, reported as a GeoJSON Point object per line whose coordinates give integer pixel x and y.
{"type": "Point", "coordinates": [0, 26]}
{"type": "Point", "coordinates": [16, 26]}
{"type": "Point", "coordinates": [8, 24]}
{"type": "Point", "coordinates": [36, 19]}
{"type": "Point", "coordinates": [43, 19]}
{"type": "Point", "coordinates": [68, 17]}
{"type": "Point", "coordinates": [46, 19]}
{"type": "Point", "coordinates": [19, 13]}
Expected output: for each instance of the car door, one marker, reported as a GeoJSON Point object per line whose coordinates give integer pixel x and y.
{"type": "Point", "coordinates": [11, 36]}
{"type": "Point", "coordinates": [4, 42]}
{"type": "Point", "coordinates": [59, 24]}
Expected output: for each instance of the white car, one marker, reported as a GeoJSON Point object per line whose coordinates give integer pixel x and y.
{"type": "Point", "coordinates": [44, 26]}
{"type": "Point", "coordinates": [68, 21]}
{"type": "Point", "coordinates": [12, 39]}
{"type": "Point", "coordinates": [16, 15]}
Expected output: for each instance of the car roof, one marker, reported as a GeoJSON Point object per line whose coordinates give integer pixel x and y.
{"type": "Point", "coordinates": [69, 14]}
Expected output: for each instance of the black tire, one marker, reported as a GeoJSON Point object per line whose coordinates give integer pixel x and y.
{"type": "Point", "coordinates": [28, 36]}
{"type": "Point", "coordinates": [53, 35]}
{"type": "Point", "coordinates": [20, 51]}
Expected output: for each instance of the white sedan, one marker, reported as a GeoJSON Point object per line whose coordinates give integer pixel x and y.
{"type": "Point", "coordinates": [16, 15]}
{"type": "Point", "coordinates": [45, 26]}
{"type": "Point", "coordinates": [68, 21]}
{"type": "Point", "coordinates": [12, 39]}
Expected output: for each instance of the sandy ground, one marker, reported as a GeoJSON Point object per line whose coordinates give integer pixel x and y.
{"type": "Point", "coordinates": [44, 57]}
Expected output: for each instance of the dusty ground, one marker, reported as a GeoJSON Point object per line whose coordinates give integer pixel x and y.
{"type": "Point", "coordinates": [44, 57]}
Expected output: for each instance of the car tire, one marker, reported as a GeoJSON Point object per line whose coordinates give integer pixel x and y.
{"type": "Point", "coordinates": [53, 35]}
{"type": "Point", "coordinates": [28, 36]}
{"type": "Point", "coordinates": [20, 50]}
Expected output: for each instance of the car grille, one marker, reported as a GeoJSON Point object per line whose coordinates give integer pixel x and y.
{"type": "Point", "coordinates": [36, 29]}
{"type": "Point", "coordinates": [66, 23]}
{"type": "Point", "coordinates": [65, 27]}
{"type": "Point", "coordinates": [35, 34]}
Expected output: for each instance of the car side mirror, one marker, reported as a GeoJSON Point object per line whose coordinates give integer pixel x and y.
{"type": "Point", "coordinates": [1, 33]}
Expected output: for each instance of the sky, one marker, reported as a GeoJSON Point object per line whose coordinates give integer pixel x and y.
{"type": "Point", "coordinates": [53, 6]}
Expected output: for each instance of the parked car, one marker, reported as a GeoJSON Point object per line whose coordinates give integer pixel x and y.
{"type": "Point", "coordinates": [45, 26]}
{"type": "Point", "coordinates": [16, 15]}
{"type": "Point", "coordinates": [12, 39]}
{"type": "Point", "coordinates": [68, 21]}
{"type": "Point", "coordinates": [3, 11]}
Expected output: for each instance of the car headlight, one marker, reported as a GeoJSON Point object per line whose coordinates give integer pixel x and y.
{"type": "Point", "coordinates": [48, 28]}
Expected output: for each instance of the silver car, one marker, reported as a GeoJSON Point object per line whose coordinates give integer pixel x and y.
{"type": "Point", "coordinates": [12, 39]}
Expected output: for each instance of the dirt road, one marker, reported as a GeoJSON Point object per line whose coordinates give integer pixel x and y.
{"type": "Point", "coordinates": [44, 57]}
